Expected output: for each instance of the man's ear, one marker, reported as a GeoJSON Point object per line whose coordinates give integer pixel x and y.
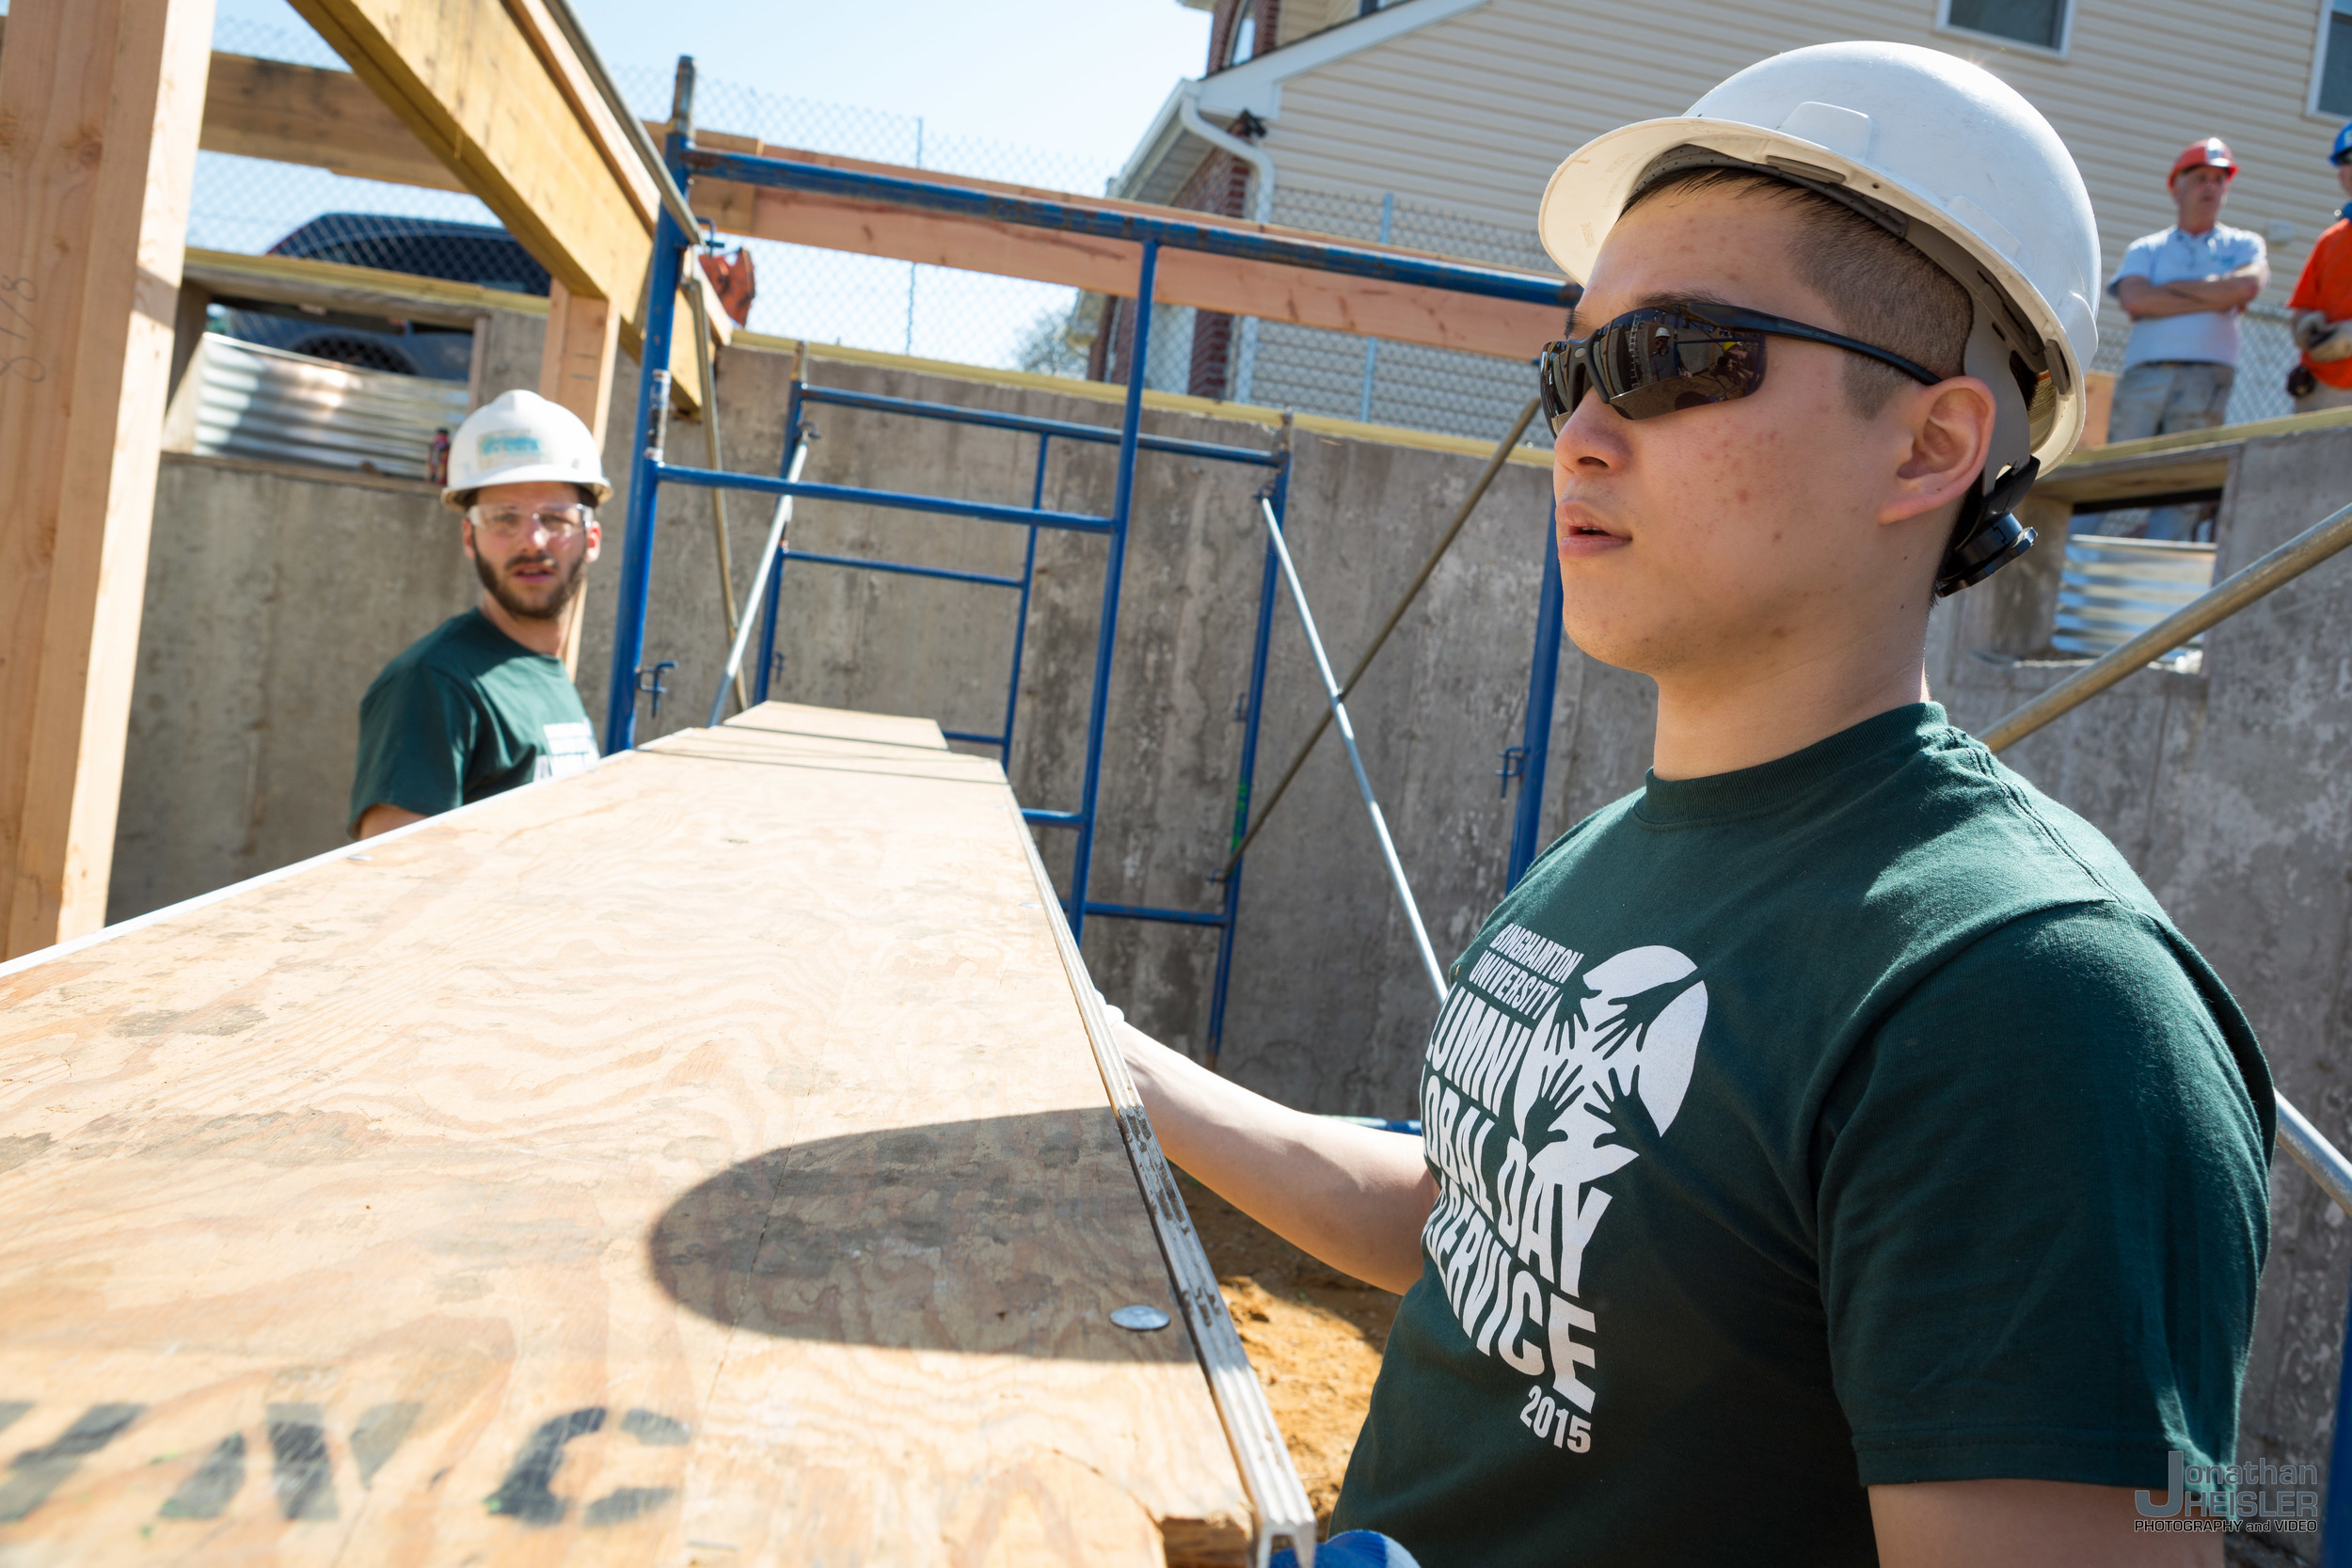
{"type": "Point", "coordinates": [1943, 439]}
{"type": "Point", "coordinates": [464, 533]}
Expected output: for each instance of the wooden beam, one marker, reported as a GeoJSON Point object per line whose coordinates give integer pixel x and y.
{"type": "Point", "coordinates": [269, 108]}
{"type": "Point", "coordinates": [364, 291]}
{"type": "Point", "coordinates": [576, 371]}
{"type": "Point", "coordinates": [1436, 317]}
{"type": "Point", "coordinates": [466, 80]}
{"type": "Point", "coordinates": [698, 1159]}
{"type": "Point", "coordinates": [302, 114]}
{"type": "Point", "coordinates": [97, 156]}
{"type": "Point", "coordinates": [576, 366]}
{"type": "Point", "coordinates": [571, 77]}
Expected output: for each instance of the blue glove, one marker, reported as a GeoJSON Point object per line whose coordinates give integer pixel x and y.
{"type": "Point", "coordinates": [1355, 1548]}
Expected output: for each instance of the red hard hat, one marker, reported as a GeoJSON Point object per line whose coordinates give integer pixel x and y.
{"type": "Point", "coordinates": [2213, 152]}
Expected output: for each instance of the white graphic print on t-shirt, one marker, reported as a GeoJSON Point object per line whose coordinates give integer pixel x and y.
{"type": "Point", "coordinates": [570, 748]}
{"type": "Point", "coordinates": [1545, 1074]}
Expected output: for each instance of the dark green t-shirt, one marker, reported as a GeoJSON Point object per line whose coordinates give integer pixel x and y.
{"type": "Point", "coordinates": [1853, 1120]}
{"type": "Point", "coordinates": [465, 712]}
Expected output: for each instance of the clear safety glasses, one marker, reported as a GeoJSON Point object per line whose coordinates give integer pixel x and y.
{"type": "Point", "coordinates": [511, 522]}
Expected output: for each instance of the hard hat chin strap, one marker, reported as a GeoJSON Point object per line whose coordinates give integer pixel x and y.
{"type": "Point", "coordinates": [1988, 535]}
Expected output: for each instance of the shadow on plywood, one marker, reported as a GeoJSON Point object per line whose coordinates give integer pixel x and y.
{"type": "Point", "coordinates": [961, 1236]}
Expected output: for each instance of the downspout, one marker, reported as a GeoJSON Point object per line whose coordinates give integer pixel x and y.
{"type": "Point", "coordinates": [1261, 163]}
{"type": "Point", "coordinates": [1258, 158]}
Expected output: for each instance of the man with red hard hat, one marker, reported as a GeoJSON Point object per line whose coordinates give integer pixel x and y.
{"type": "Point", "coordinates": [2185, 287]}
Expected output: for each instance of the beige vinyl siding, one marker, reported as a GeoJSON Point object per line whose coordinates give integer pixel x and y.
{"type": "Point", "coordinates": [1300, 18]}
{"type": "Point", "coordinates": [1475, 111]}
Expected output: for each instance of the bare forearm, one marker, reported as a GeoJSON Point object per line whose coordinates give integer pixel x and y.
{"type": "Point", "coordinates": [1353, 1197]}
{"type": "Point", "coordinates": [383, 818]}
{"type": "Point", "coordinates": [2217, 293]}
{"type": "Point", "coordinates": [2142, 300]}
{"type": "Point", "coordinates": [2025, 1524]}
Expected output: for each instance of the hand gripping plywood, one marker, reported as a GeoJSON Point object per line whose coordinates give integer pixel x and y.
{"type": "Point", "coordinates": [716, 1158]}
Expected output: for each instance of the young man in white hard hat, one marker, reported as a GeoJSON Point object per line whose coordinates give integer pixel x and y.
{"type": "Point", "coordinates": [1830, 1154]}
{"type": "Point", "coordinates": [481, 703]}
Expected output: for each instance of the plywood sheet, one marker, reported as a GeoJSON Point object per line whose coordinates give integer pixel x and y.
{"type": "Point", "coordinates": [698, 1161]}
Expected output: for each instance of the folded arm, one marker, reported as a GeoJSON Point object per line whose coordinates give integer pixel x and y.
{"type": "Point", "coordinates": [1354, 1196]}
{"type": "Point", "coordinates": [2231, 291]}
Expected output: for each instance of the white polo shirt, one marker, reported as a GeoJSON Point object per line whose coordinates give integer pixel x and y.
{"type": "Point", "coordinates": [2174, 256]}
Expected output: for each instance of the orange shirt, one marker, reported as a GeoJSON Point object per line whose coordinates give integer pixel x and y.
{"type": "Point", "coordinates": [2327, 285]}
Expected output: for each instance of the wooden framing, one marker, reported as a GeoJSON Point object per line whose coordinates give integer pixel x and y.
{"type": "Point", "coordinates": [296, 114]}
{"type": "Point", "coordinates": [493, 93]}
{"type": "Point", "coordinates": [703, 1159]}
{"type": "Point", "coordinates": [260, 108]}
{"type": "Point", "coordinates": [102, 100]}
{"type": "Point", "coordinates": [364, 291]}
{"type": "Point", "coordinates": [471, 86]}
{"type": "Point", "coordinates": [1436, 317]}
{"type": "Point", "coordinates": [576, 372]}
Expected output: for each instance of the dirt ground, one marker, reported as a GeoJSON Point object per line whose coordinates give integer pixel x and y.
{"type": "Point", "coordinates": [1314, 1334]}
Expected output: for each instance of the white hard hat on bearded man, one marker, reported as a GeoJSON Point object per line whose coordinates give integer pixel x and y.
{"type": "Point", "coordinates": [519, 439]}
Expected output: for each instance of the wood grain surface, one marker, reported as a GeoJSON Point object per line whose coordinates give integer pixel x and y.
{"type": "Point", "coordinates": [698, 1161]}
{"type": "Point", "coordinates": [100, 100]}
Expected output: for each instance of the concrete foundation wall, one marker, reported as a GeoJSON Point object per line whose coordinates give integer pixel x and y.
{"type": "Point", "coordinates": [273, 595]}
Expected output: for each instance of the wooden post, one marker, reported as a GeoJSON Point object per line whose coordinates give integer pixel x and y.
{"type": "Point", "coordinates": [97, 153]}
{"type": "Point", "coordinates": [575, 370]}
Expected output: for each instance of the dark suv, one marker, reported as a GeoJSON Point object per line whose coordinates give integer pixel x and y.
{"type": "Point", "coordinates": [480, 254]}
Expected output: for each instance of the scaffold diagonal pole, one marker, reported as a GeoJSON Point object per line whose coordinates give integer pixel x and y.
{"type": "Point", "coordinates": [732, 674]}
{"type": "Point", "coordinates": [1347, 738]}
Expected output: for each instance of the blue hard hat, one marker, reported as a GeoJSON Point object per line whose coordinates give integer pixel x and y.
{"type": "Point", "coordinates": [2342, 149]}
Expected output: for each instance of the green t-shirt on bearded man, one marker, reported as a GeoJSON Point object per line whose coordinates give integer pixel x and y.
{"type": "Point", "coordinates": [463, 713]}
{"type": "Point", "coordinates": [1858, 1119]}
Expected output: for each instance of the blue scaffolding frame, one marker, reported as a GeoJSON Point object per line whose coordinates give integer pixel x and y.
{"type": "Point", "coordinates": [650, 469]}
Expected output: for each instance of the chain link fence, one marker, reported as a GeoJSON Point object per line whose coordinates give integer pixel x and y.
{"type": "Point", "coordinates": [1383, 383]}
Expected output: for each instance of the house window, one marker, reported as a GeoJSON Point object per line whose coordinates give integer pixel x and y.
{"type": "Point", "coordinates": [2036, 23]}
{"type": "Point", "coordinates": [2335, 60]}
{"type": "Point", "coordinates": [1245, 34]}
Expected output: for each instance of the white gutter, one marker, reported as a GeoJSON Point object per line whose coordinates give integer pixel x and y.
{"type": "Point", "coordinates": [1257, 85]}
{"type": "Point", "coordinates": [1188, 115]}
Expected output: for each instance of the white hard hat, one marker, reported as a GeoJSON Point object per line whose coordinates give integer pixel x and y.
{"type": "Point", "coordinates": [519, 438]}
{"type": "Point", "coordinates": [1939, 151]}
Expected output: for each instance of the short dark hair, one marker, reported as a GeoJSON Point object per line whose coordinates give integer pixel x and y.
{"type": "Point", "coordinates": [1884, 289]}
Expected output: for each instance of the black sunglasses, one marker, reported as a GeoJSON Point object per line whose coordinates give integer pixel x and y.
{"type": "Point", "coordinates": [1658, 360]}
